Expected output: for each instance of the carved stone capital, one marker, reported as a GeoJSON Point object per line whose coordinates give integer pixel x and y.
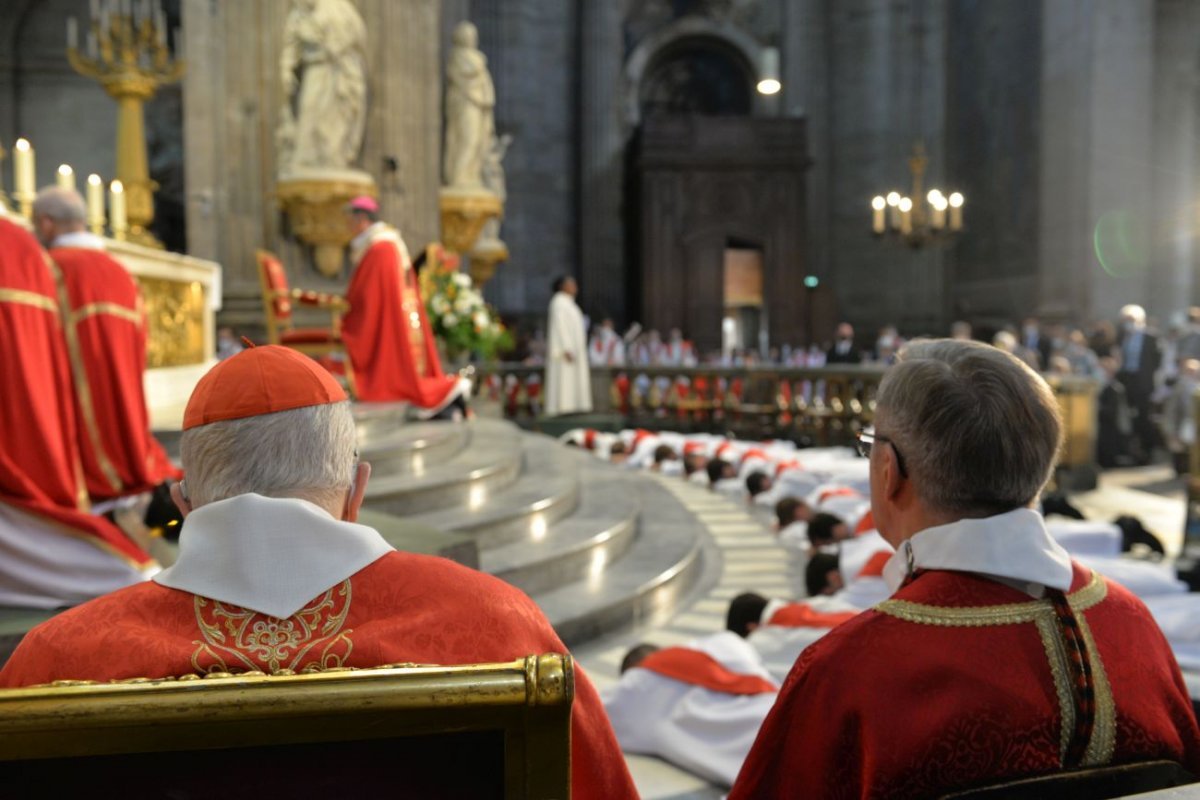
{"type": "Point", "coordinates": [464, 213]}
{"type": "Point", "coordinates": [315, 206]}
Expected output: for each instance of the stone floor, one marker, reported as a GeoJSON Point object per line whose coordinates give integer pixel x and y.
{"type": "Point", "coordinates": [751, 560]}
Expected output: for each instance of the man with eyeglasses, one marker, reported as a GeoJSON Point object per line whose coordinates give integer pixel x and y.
{"type": "Point", "coordinates": [997, 657]}
{"type": "Point", "coordinates": [275, 574]}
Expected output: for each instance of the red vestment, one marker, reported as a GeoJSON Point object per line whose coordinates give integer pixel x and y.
{"type": "Point", "coordinates": [949, 685]}
{"type": "Point", "coordinates": [106, 344]}
{"type": "Point", "coordinates": [400, 608]}
{"type": "Point", "coordinates": [387, 334]}
{"type": "Point", "coordinates": [40, 470]}
{"type": "Point", "coordinates": [697, 668]}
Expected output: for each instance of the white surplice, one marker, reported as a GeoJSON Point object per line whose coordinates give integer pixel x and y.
{"type": "Point", "coordinates": [568, 382]}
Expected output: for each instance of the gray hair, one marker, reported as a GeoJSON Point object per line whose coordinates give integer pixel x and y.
{"type": "Point", "coordinates": [306, 453]}
{"type": "Point", "coordinates": [60, 205]}
{"type": "Point", "coordinates": [978, 429]}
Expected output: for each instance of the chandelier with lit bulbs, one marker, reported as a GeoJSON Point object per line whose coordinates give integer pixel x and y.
{"type": "Point", "coordinates": [918, 218]}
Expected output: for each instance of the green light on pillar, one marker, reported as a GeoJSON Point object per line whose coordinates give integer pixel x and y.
{"type": "Point", "coordinates": [811, 282]}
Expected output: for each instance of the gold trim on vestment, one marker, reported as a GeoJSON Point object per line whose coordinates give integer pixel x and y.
{"type": "Point", "coordinates": [1104, 733]}
{"type": "Point", "coordinates": [27, 298]}
{"type": "Point", "coordinates": [1042, 614]}
{"type": "Point", "coordinates": [83, 389]}
{"type": "Point", "coordinates": [112, 309]}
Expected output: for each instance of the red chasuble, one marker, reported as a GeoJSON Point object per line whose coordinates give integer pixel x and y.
{"type": "Point", "coordinates": [387, 334]}
{"type": "Point", "coordinates": [40, 470]}
{"type": "Point", "coordinates": [106, 343]}
{"type": "Point", "coordinates": [401, 608]}
{"type": "Point", "coordinates": [949, 685]}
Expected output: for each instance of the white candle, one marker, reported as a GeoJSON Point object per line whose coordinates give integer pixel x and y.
{"type": "Point", "coordinates": [92, 49]}
{"type": "Point", "coordinates": [116, 209]}
{"type": "Point", "coordinates": [72, 33]}
{"type": "Point", "coordinates": [65, 177]}
{"type": "Point", "coordinates": [95, 202]}
{"type": "Point", "coordinates": [956, 204]}
{"type": "Point", "coordinates": [23, 181]}
{"type": "Point", "coordinates": [94, 8]}
{"type": "Point", "coordinates": [905, 207]}
{"type": "Point", "coordinates": [877, 220]}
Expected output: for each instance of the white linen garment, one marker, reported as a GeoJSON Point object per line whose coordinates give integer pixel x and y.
{"type": "Point", "coordinates": [568, 382]}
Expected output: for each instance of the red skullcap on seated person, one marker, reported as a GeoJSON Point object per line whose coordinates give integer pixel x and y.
{"type": "Point", "coordinates": [260, 380]}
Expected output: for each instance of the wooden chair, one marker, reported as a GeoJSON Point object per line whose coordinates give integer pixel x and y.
{"type": "Point", "coordinates": [477, 731]}
{"type": "Point", "coordinates": [278, 300]}
{"type": "Point", "coordinates": [1096, 783]}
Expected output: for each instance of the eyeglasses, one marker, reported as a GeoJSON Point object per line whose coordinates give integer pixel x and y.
{"type": "Point", "coordinates": [868, 437]}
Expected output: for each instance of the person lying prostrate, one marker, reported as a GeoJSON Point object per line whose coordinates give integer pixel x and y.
{"type": "Point", "coordinates": [1143, 578]}
{"type": "Point", "coordinates": [1086, 538]}
{"type": "Point", "coordinates": [698, 707]}
{"type": "Point", "coordinates": [1178, 616]}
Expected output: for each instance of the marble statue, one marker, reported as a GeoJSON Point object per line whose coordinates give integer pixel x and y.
{"type": "Point", "coordinates": [470, 105]}
{"type": "Point", "coordinates": [325, 86]}
{"type": "Point", "coordinates": [494, 182]}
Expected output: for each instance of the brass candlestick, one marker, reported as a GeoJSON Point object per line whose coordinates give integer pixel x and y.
{"type": "Point", "coordinates": [127, 54]}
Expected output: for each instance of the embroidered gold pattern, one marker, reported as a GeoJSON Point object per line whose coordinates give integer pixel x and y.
{"type": "Point", "coordinates": [1104, 733]}
{"type": "Point", "coordinates": [27, 298]}
{"type": "Point", "coordinates": [1041, 613]}
{"type": "Point", "coordinates": [311, 639]}
{"type": "Point", "coordinates": [112, 309]}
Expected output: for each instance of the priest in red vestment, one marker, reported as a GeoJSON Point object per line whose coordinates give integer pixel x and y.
{"type": "Point", "coordinates": [105, 328]}
{"type": "Point", "coordinates": [53, 552]}
{"type": "Point", "coordinates": [273, 572]}
{"type": "Point", "coordinates": [997, 657]}
{"type": "Point", "coordinates": [387, 333]}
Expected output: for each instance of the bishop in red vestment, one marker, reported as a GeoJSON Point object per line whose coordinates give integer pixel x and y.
{"type": "Point", "coordinates": [387, 333]}
{"type": "Point", "coordinates": [997, 657]}
{"type": "Point", "coordinates": [273, 573]}
{"type": "Point", "coordinates": [54, 551]}
{"type": "Point", "coordinates": [105, 328]}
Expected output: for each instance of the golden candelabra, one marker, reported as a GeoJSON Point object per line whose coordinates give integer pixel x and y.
{"type": "Point", "coordinates": [127, 53]}
{"type": "Point", "coordinates": [917, 219]}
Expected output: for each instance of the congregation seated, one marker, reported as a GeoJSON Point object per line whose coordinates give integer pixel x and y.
{"type": "Point", "coordinates": [698, 706]}
{"type": "Point", "coordinates": [274, 574]}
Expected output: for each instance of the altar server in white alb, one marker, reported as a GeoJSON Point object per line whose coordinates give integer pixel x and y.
{"type": "Point", "coordinates": [568, 375]}
{"type": "Point", "coordinates": [698, 706]}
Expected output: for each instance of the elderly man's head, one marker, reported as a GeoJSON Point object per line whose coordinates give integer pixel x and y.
{"type": "Point", "coordinates": [962, 430]}
{"type": "Point", "coordinates": [234, 442]}
{"type": "Point", "coordinates": [57, 211]}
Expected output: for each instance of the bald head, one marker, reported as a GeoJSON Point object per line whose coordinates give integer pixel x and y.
{"type": "Point", "coordinates": [57, 211]}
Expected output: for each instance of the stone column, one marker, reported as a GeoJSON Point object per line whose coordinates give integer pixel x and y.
{"type": "Point", "coordinates": [1097, 101]}
{"type": "Point", "coordinates": [232, 100]}
{"type": "Point", "coordinates": [602, 245]}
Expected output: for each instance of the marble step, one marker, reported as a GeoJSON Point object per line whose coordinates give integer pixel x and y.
{"type": "Point", "coordinates": [378, 419]}
{"type": "Point", "coordinates": [664, 563]}
{"type": "Point", "coordinates": [413, 448]}
{"type": "Point", "coordinates": [598, 532]}
{"type": "Point", "coordinates": [488, 463]}
{"type": "Point", "coordinates": [546, 491]}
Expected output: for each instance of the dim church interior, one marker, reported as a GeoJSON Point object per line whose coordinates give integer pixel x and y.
{"type": "Point", "coordinates": [643, 161]}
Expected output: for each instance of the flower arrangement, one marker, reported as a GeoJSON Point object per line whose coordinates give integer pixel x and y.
{"type": "Point", "coordinates": [456, 309]}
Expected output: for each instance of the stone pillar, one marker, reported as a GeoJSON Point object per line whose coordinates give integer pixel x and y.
{"type": "Point", "coordinates": [1097, 101]}
{"type": "Point", "coordinates": [232, 100]}
{"type": "Point", "coordinates": [602, 245]}
{"type": "Point", "coordinates": [805, 70]}
{"type": "Point", "coordinates": [1174, 202]}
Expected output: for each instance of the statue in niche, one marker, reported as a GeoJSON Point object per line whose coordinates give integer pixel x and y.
{"type": "Point", "coordinates": [470, 109]}
{"type": "Point", "coordinates": [494, 181]}
{"type": "Point", "coordinates": [325, 86]}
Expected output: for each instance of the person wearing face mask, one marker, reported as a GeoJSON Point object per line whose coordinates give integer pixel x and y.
{"type": "Point", "coordinates": [1141, 356]}
{"type": "Point", "coordinates": [842, 351]}
{"type": "Point", "coordinates": [270, 498]}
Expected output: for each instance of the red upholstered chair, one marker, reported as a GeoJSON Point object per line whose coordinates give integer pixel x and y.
{"type": "Point", "coordinates": [278, 300]}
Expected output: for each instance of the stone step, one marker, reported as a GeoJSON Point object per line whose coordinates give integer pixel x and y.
{"type": "Point", "coordinates": [489, 462]}
{"type": "Point", "coordinates": [599, 531]}
{"type": "Point", "coordinates": [411, 449]}
{"type": "Point", "coordinates": [664, 563]}
{"type": "Point", "coordinates": [378, 419]}
{"type": "Point", "coordinates": [546, 491]}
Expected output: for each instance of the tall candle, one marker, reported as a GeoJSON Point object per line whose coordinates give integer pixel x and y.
{"type": "Point", "coordinates": [95, 203]}
{"type": "Point", "coordinates": [877, 220]}
{"type": "Point", "coordinates": [956, 204]}
{"type": "Point", "coordinates": [116, 209]}
{"type": "Point", "coordinates": [65, 177]}
{"type": "Point", "coordinates": [23, 181]}
{"type": "Point", "coordinates": [72, 33]}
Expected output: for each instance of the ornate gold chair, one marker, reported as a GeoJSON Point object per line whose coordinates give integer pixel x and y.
{"type": "Point", "coordinates": [278, 300]}
{"type": "Point", "coordinates": [477, 731]}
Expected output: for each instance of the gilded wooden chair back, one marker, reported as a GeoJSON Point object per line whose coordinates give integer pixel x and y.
{"type": "Point", "coordinates": [277, 301]}
{"type": "Point", "coordinates": [484, 730]}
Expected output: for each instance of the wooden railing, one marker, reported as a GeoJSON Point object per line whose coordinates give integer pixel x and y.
{"type": "Point", "coordinates": [818, 405]}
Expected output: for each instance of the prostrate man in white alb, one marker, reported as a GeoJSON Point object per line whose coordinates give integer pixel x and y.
{"type": "Point", "coordinates": [568, 375]}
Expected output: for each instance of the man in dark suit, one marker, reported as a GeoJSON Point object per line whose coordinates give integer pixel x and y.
{"type": "Point", "coordinates": [842, 351]}
{"type": "Point", "coordinates": [1141, 356]}
{"type": "Point", "coordinates": [1035, 339]}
